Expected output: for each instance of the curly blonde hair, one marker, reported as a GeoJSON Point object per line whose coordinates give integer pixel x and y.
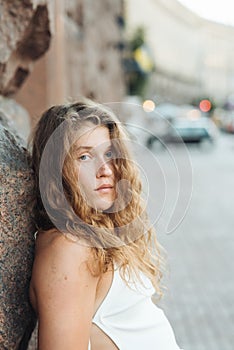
{"type": "Point", "coordinates": [123, 235]}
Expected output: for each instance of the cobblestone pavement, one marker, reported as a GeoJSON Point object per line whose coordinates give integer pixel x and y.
{"type": "Point", "coordinates": [199, 301]}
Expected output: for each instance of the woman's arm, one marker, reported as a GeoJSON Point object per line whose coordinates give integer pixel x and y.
{"type": "Point", "coordinates": [65, 293]}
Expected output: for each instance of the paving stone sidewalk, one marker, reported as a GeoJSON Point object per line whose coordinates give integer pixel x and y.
{"type": "Point", "coordinates": [200, 298]}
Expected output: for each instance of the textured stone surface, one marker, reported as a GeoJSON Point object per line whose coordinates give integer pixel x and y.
{"type": "Point", "coordinates": [17, 116]}
{"type": "Point", "coordinates": [16, 240]}
{"type": "Point", "coordinates": [93, 38]}
{"type": "Point", "coordinates": [89, 34]}
{"type": "Point", "coordinates": [24, 37]}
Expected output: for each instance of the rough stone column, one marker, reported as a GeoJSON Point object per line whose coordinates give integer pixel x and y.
{"type": "Point", "coordinates": [24, 37]}
{"type": "Point", "coordinates": [16, 239]}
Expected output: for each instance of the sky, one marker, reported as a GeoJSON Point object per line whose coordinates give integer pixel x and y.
{"type": "Point", "coordinates": [216, 10]}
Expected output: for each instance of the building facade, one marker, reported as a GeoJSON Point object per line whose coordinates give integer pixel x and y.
{"type": "Point", "coordinates": [194, 57]}
{"type": "Point", "coordinates": [84, 58]}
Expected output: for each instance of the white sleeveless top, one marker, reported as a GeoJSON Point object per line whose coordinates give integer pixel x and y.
{"type": "Point", "coordinates": [131, 320]}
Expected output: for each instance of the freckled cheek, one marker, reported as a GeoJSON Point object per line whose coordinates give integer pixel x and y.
{"type": "Point", "coordinates": [86, 177]}
{"type": "Point", "coordinates": [114, 175]}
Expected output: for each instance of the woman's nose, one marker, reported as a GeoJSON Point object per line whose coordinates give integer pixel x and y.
{"type": "Point", "coordinates": [105, 169]}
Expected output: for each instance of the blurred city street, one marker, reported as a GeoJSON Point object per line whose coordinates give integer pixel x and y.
{"type": "Point", "coordinates": [200, 290]}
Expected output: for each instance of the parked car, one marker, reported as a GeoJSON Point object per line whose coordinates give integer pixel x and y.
{"type": "Point", "coordinates": [167, 111]}
{"type": "Point", "coordinates": [228, 122]}
{"type": "Point", "coordinates": [159, 120]}
{"type": "Point", "coordinates": [224, 119]}
{"type": "Point", "coordinates": [188, 131]}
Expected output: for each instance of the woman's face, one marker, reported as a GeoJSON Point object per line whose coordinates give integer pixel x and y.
{"type": "Point", "coordinates": [95, 167]}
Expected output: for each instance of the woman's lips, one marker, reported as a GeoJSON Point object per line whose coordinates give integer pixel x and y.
{"type": "Point", "coordinates": [104, 188]}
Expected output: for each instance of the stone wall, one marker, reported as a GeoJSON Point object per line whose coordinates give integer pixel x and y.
{"type": "Point", "coordinates": [24, 37]}
{"type": "Point", "coordinates": [16, 239]}
{"type": "Point", "coordinates": [84, 57]}
{"type": "Point", "coordinates": [94, 34]}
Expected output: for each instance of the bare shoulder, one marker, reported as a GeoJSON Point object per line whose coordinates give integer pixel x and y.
{"type": "Point", "coordinates": [60, 261]}
{"type": "Point", "coordinates": [63, 288]}
{"type": "Point", "coordinates": [58, 248]}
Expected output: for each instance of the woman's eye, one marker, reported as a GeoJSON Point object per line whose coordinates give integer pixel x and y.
{"type": "Point", "coordinates": [109, 154]}
{"type": "Point", "coordinates": [84, 157]}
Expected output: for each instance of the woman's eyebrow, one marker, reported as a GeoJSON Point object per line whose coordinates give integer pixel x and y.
{"type": "Point", "coordinates": [85, 148]}
{"type": "Point", "coordinates": [81, 148]}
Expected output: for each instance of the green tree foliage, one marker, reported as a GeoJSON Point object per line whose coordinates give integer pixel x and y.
{"type": "Point", "coordinates": [138, 63]}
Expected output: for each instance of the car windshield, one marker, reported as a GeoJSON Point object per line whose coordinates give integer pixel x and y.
{"type": "Point", "coordinates": [191, 131]}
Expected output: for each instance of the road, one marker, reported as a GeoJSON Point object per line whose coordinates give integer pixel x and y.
{"type": "Point", "coordinates": [199, 300]}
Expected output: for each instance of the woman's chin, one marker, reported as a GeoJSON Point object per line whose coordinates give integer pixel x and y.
{"type": "Point", "coordinates": [105, 206]}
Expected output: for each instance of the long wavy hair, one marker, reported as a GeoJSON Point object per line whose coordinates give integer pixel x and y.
{"type": "Point", "coordinates": [122, 235]}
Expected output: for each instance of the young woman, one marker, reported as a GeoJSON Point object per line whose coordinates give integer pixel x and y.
{"type": "Point", "coordinates": [97, 261]}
